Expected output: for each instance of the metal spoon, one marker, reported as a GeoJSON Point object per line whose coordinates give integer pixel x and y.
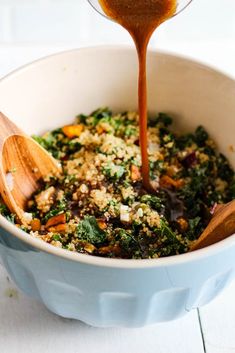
{"type": "Point", "coordinates": [23, 165]}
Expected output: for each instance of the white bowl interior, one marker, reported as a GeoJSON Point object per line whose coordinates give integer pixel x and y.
{"type": "Point", "coordinates": [50, 92]}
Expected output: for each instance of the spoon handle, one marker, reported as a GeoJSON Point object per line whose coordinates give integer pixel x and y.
{"type": "Point", "coordinates": [221, 226]}
{"type": "Point", "coordinates": [8, 128]}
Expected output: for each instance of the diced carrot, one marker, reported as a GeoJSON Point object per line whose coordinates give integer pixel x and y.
{"type": "Point", "coordinates": [166, 181]}
{"type": "Point", "coordinates": [183, 224]}
{"type": "Point", "coordinates": [99, 129]}
{"type": "Point", "coordinates": [36, 224]}
{"type": "Point", "coordinates": [171, 170]}
{"type": "Point", "coordinates": [105, 250]}
{"type": "Point", "coordinates": [90, 248]}
{"type": "Point", "coordinates": [102, 224]}
{"type": "Point", "coordinates": [53, 221]}
{"type": "Point", "coordinates": [135, 173]}
{"type": "Point", "coordinates": [59, 228]}
{"type": "Point", "coordinates": [110, 249]}
{"type": "Point", "coordinates": [73, 130]}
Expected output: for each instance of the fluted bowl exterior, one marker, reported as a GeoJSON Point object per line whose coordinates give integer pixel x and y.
{"type": "Point", "coordinates": [106, 292]}
{"type": "Point", "coordinates": [110, 296]}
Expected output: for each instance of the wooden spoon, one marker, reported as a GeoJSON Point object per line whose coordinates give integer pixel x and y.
{"type": "Point", "coordinates": [23, 165]}
{"type": "Point", "coordinates": [221, 226]}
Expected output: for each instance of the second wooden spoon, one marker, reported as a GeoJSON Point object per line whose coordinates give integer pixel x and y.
{"type": "Point", "coordinates": [221, 226]}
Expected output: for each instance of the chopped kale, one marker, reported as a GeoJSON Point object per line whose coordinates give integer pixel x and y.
{"type": "Point", "coordinates": [193, 223]}
{"type": "Point", "coordinates": [161, 120]}
{"type": "Point", "coordinates": [201, 136]}
{"type": "Point", "coordinates": [153, 201]}
{"type": "Point", "coordinates": [224, 170]}
{"type": "Point", "coordinates": [231, 190]}
{"type": "Point", "coordinates": [81, 119]}
{"type": "Point", "coordinates": [126, 240]}
{"type": "Point", "coordinates": [195, 228]}
{"type": "Point", "coordinates": [102, 113]}
{"type": "Point", "coordinates": [130, 131]}
{"type": "Point", "coordinates": [51, 141]}
{"type": "Point", "coordinates": [89, 231]}
{"type": "Point", "coordinates": [60, 207]}
{"type": "Point", "coordinates": [165, 231]}
{"type": "Point", "coordinates": [4, 211]}
{"type": "Point", "coordinates": [56, 237]}
{"type": "Point", "coordinates": [184, 141]}
{"type": "Point", "coordinates": [113, 171]}
{"type": "Point", "coordinates": [74, 146]}
{"type": "Point", "coordinates": [169, 240]}
{"type": "Point", "coordinates": [41, 141]}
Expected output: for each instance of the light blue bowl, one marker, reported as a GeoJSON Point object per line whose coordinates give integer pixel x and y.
{"type": "Point", "coordinates": [109, 292]}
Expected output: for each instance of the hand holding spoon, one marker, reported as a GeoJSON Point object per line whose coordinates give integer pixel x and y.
{"type": "Point", "coordinates": [23, 165]}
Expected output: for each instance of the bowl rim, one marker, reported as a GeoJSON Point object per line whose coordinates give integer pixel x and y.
{"type": "Point", "coordinates": [110, 262]}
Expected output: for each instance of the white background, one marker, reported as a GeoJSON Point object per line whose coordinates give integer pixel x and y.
{"type": "Point", "coordinates": [72, 21]}
{"type": "Point", "coordinates": [33, 28]}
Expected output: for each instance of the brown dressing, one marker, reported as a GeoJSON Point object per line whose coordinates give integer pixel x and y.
{"type": "Point", "coordinates": [140, 18]}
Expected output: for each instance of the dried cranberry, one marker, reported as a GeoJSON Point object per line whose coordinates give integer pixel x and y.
{"type": "Point", "coordinates": [190, 160]}
{"type": "Point", "coordinates": [65, 158]}
{"type": "Point", "coordinates": [137, 142]}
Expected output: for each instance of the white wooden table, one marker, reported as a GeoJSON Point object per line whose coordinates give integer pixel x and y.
{"type": "Point", "coordinates": [27, 327]}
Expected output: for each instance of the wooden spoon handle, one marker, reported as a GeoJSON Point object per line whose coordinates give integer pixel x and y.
{"type": "Point", "coordinates": [221, 226]}
{"type": "Point", "coordinates": [8, 128]}
{"type": "Point", "coordinates": [23, 165]}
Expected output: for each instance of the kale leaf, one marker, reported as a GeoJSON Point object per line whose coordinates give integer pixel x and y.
{"type": "Point", "coordinates": [153, 201]}
{"type": "Point", "coordinates": [89, 231]}
{"type": "Point", "coordinates": [61, 207]}
{"type": "Point", "coordinates": [196, 227]}
{"type": "Point", "coordinates": [100, 114]}
{"type": "Point", "coordinates": [126, 240]}
{"type": "Point", "coordinates": [113, 171]}
{"type": "Point", "coordinates": [224, 169]}
{"type": "Point", "coordinates": [4, 211]}
{"type": "Point", "coordinates": [50, 142]}
{"type": "Point", "coordinates": [201, 136]}
{"type": "Point", "coordinates": [162, 119]}
{"type": "Point", "coordinates": [231, 191]}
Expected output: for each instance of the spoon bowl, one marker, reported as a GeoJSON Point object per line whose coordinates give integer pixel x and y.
{"type": "Point", "coordinates": [221, 226]}
{"type": "Point", "coordinates": [23, 165]}
{"type": "Point", "coordinates": [182, 4]}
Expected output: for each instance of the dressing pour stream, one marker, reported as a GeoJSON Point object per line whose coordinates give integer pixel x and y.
{"type": "Point", "coordinates": [140, 18]}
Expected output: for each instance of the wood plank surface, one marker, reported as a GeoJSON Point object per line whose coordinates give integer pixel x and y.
{"type": "Point", "coordinates": [27, 327]}
{"type": "Point", "coordinates": [218, 322]}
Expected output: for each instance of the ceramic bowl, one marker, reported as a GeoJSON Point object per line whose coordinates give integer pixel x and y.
{"type": "Point", "coordinates": [113, 292]}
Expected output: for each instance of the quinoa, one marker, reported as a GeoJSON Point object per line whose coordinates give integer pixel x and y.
{"type": "Point", "coordinates": [98, 205]}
